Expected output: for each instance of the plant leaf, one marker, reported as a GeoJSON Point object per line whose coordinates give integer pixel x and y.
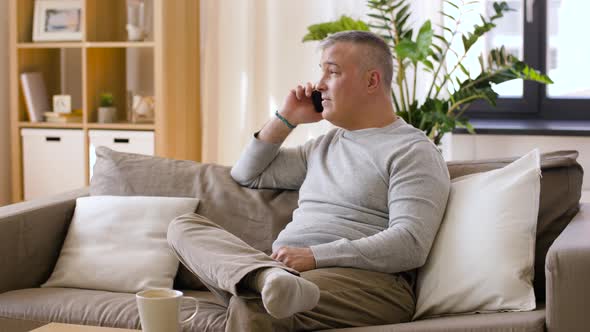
{"type": "Point", "coordinates": [379, 17]}
{"type": "Point", "coordinates": [402, 12]}
{"type": "Point", "coordinates": [408, 34]}
{"type": "Point", "coordinates": [436, 56]}
{"type": "Point", "coordinates": [401, 23]}
{"type": "Point", "coordinates": [449, 16]}
{"type": "Point", "coordinates": [322, 30]}
{"type": "Point", "coordinates": [424, 38]}
{"type": "Point", "coordinates": [474, 89]}
{"type": "Point", "coordinates": [504, 67]}
{"type": "Point", "coordinates": [451, 3]}
{"type": "Point", "coordinates": [441, 38]}
{"type": "Point", "coordinates": [479, 30]}
{"type": "Point", "coordinates": [378, 26]}
{"type": "Point", "coordinates": [419, 50]}
{"type": "Point", "coordinates": [406, 49]}
{"type": "Point", "coordinates": [463, 69]}
{"type": "Point", "coordinates": [469, 128]}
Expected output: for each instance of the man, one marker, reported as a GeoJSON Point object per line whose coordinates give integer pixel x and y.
{"type": "Point", "coordinates": [372, 194]}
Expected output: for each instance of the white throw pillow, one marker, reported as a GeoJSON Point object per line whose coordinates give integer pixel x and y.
{"type": "Point", "coordinates": [118, 244]}
{"type": "Point", "coordinates": [483, 255]}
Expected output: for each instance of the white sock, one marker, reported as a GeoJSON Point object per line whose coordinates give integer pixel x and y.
{"type": "Point", "coordinates": [284, 294]}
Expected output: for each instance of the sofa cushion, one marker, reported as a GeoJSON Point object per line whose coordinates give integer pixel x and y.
{"type": "Point", "coordinates": [255, 216]}
{"type": "Point", "coordinates": [482, 257]}
{"type": "Point", "coordinates": [119, 244]}
{"type": "Point", "coordinates": [528, 321]}
{"type": "Point", "coordinates": [561, 189]}
{"type": "Point", "coordinates": [99, 308]}
{"type": "Point", "coordinates": [30, 308]}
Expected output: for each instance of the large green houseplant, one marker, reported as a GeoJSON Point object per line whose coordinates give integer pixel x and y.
{"type": "Point", "coordinates": [442, 109]}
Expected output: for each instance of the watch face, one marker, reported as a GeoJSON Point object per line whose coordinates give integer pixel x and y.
{"type": "Point", "coordinates": [62, 103]}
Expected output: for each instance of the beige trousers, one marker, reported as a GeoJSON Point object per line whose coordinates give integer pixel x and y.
{"type": "Point", "coordinates": [348, 297]}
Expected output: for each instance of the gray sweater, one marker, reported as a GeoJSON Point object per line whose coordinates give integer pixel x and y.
{"type": "Point", "coordinates": [371, 199]}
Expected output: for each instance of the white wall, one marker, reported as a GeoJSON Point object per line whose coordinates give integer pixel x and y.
{"type": "Point", "coordinates": [4, 120]}
{"type": "Point", "coordinates": [467, 147]}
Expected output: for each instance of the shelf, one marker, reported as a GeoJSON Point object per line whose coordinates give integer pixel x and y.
{"type": "Point", "coordinates": [79, 125]}
{"type": "Point", "coordinates": [50, 45]}
{"type": "Point", "coordinates": [121, 126]}
{"type": "Point", "coordinates": [85, 45]}
{"type": "Point", "coordinates": [165, 66]}
{"type": "Point", "coordinates": [25, 124]}
{"type": "Point", "coordinates": [119, 44]}
{"type": "Point", "coordinates": [61, 70]}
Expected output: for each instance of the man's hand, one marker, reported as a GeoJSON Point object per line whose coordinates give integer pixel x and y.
{"type": "Point", "coordinates": [300, 259]}
{"type": "Point", "coordinates": [298, 106]}
{"type": "Point", "coordinates": [297, 109]}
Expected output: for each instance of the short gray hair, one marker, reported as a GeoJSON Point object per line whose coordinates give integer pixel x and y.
{"type": "Point", "coordinates": [378, 53]}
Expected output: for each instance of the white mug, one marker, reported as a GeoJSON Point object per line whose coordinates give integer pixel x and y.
{"type": "Point", "coordinates": [159, 309]}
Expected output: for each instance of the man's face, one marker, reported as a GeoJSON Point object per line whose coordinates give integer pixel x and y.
{"type": "Point", "coordinates": [342, 84]}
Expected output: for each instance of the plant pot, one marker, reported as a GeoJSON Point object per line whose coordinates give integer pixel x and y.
{"type": "Point", "coordinates": [107, 114]}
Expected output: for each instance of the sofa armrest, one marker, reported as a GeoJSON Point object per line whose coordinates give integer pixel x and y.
{"type": "Point", "coordinates": [31, 236]}
{"type": "Point", "coordinates": [567, 272]}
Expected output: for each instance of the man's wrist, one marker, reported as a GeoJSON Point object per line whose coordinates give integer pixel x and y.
{"type": "Point", "coordinates": [285, 120]}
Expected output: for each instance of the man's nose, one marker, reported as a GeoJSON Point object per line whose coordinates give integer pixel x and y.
{"type": "Point", "coordinates": [320, 85]}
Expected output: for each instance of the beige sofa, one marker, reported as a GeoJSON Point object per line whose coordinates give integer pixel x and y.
{"type": "Point", "coordinates": [32, 233]}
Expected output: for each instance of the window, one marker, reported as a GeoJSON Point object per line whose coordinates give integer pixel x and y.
{"type": "Point", "coordinates": [550, 36]}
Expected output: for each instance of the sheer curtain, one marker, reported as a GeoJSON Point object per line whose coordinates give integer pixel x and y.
{"type": "Point", "coordinates": [252, 55]}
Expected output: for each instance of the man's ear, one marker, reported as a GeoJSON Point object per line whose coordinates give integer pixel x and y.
{"type": "Point", "coordinates": [373, 80]}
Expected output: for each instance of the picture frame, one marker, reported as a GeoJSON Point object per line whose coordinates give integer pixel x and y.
{"type": "Point", "coordinates": [58, 20]}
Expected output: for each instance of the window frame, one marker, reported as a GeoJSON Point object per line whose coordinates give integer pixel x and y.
{"type": "Point", "coordinates": [534, 104]}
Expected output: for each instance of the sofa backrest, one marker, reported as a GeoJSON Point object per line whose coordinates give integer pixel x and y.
{"type": "Point", "coordinates": [257, 216]}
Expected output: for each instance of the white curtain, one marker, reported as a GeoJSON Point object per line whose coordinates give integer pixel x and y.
{"type": "Point", "coordinates": [252, 55]}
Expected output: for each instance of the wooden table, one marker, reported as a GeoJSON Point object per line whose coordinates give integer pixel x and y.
{"type": "Point", "coordinates": [59, 327]}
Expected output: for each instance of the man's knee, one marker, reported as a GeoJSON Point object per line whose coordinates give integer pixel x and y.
{"type": "Point", "coordinates": [183, 224]}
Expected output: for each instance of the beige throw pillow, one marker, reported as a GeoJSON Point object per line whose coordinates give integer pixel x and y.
{"type": "Point", "coordinates": [119, 244]}
{"type": "Point", "coordinates": [483, 255]}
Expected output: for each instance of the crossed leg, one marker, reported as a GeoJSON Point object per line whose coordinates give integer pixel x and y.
{"type": "Point", "coordinates": [348, 297]}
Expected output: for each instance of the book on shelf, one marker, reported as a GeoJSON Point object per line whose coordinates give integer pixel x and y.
{"type": "Point", "coordinates": [35, 93]}
{"type": "Point", "coordinates": [74, 117]}
{"type": "Point", "coordinates": [65, 120]}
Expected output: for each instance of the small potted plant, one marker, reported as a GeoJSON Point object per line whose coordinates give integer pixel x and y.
{"type": "Point", "coordinates": [107, 113]}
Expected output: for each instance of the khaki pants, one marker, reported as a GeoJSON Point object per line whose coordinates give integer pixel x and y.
{"type": "Point", "coordinates": [348, 297]}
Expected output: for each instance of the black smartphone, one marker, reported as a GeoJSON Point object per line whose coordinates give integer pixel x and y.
{"type": "Point", "coordinates": [316, 97]}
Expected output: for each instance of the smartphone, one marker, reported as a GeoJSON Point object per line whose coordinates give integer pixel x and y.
{"type": "Point", "coordinates": [316, 97]}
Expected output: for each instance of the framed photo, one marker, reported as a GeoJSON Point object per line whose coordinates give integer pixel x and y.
{"type": "Point", "coordinates": [58, 20]}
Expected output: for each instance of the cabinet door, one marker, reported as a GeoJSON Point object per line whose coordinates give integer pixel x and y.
{"type": "Point", "coordinates": [53, 161]}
